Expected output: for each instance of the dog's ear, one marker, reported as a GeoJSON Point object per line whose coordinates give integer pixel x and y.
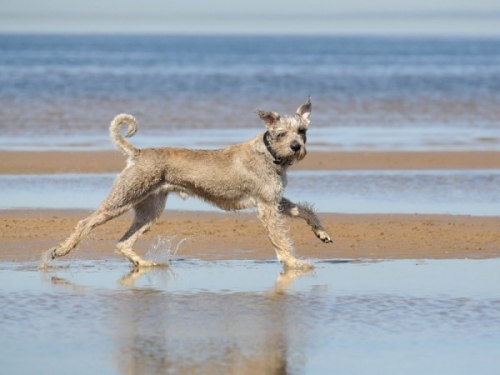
{"type": "Point", "coordinates": [304, 111]}
{"type": "Point", "coordinates": [269, 117]}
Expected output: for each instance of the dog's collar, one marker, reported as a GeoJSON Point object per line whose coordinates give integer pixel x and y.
{"type": "Point", "coordinates": [277, 160]}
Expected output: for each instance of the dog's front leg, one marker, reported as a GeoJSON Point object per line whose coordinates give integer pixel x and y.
{"type": "Point", "coordinates": [272, 219]}
{"type": "Point", "coordinates": [305, 212]}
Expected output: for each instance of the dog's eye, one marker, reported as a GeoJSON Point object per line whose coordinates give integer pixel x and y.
{"type": "Point", "coordinates": [280, 135]}
{"type": "Point", "coordinates": [302, 131]}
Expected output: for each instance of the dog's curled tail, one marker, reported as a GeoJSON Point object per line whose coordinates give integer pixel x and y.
{"type": "Point", "coordinates": [120, 142]}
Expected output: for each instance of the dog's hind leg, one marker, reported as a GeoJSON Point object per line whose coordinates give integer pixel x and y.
{"type": "Point", "coordinates": [147, 213]}
{"type": "Point", "coordinates": [84, 227]}
{"type": "Point", "coordinates": [305, 212]}
{"type": "Point", "coordinates": [121, 198]}
{"type": "Point", "coordinates": [272, 219]}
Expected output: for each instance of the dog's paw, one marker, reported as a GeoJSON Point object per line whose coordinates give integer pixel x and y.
{"type": "Point", "coordinates": [48, 256]}
{"type": "Point", "coordinates": [52, 253]}
{"type": "Point", "coordinates": [139, 263]}
{"type": "Point", "coordinates": [323, 236]}
{"type": "Point", "coordinates": [56, 252]}
{"type": "Point", "coordinates": [144, 263]}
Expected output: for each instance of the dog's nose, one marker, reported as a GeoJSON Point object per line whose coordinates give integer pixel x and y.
{"type": "Point", "coordinates": [295, 146]}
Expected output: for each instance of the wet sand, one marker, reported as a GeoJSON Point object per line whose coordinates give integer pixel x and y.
{"type": "Point", "coordinates": [39, 162]}
{"type": "Point", "coordinates": [26, 234]}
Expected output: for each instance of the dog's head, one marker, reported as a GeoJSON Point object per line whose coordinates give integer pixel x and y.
{"type": "Point", "coordinates": [286, 136]}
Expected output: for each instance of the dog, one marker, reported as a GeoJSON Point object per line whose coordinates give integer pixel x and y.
{"type": "Point", "coordinates": [245, 175]}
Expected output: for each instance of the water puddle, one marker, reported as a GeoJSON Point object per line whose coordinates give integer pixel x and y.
{"type": "Point", "coordinates": [344, 317]}
{"type": "Point", "coordinates": [459, 192]}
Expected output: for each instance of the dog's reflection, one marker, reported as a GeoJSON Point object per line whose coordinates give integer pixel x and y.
{"type": "Point", "coordinates": [283, 282]}
{"type": "Point", "coordinates": [158, 331]}
{"type": "Point", "coordinates": [136, 273]}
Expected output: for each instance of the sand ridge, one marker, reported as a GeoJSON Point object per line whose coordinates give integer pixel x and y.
{"type": "Point", "coordinates": [41, 162]}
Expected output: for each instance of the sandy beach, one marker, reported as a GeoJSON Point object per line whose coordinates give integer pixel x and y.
{"type": "Point", "coordinates": [26, 234]}
{"type": "Point", "coordinates": [403, 168]}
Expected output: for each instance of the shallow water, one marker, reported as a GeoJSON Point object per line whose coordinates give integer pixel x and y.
{"type": "Point", "coordinates": [345, 317]}
{"type": "Point", "coordinates": [333, 138]}
{"type": "Point", "coordinates": [466, 192]}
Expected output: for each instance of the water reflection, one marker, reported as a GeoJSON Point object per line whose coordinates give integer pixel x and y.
{"type": "Point", "coordinates": [245, 317]}
{"type": "Point", "coordinates": [208, 333]}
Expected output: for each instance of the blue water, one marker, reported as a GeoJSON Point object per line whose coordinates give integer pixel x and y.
{"type": "Point", "coordinates": [72, 86]}
{"type": "Point", "coordinates": [245, 317]}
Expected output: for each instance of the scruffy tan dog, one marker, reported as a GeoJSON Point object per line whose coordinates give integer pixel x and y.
{"type": "Point", "coordinates": [250, 174]}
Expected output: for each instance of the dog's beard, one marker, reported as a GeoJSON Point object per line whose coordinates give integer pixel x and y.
{"type": "Point", "coordinates": [301, 154]}
{"type": "Point", "coordinates": [296, 157]}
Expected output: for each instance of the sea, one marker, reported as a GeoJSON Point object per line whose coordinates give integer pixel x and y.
{"type": "Point", "coordinates": [367, 92]}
